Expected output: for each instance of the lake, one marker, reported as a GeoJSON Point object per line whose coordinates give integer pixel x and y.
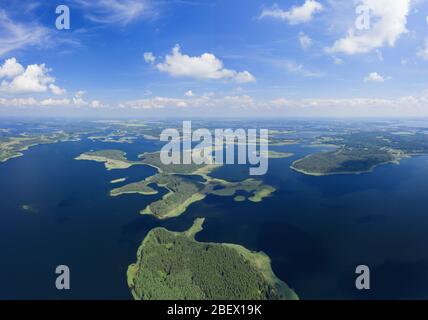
{"type": "Point", "coordinates": [56, 210]}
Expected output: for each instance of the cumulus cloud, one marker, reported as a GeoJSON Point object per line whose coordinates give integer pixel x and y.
{"type": "Point", "coordinates": [206, 66]}
{"type": "Point", "coordinates": [33, 78]}
{"type": "Point", "coordinates": [388, 24]}
{"type": "Point", "coordinates": [374, 77]}
{"type": "Point", "coordinates": [305, 41]}
{"type": "Point", "coordinates": [78, 99]}
{"type": "Point", "coordinates": [115, 11]}
{"type": "Point", "coordinates": [296, 15]}
{"type": "Point", "coordinates": [56, 90]}
{"type": "Point", "coordinates": [11, 68]}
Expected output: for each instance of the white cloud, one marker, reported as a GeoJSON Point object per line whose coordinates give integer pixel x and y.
{"type": "Point", "coordinates": [55, 102]}
{"type": "Point", "coordinates": [305, 41]}
{"type": "Point", "coordinates": [374, 77]}
{"type": "Point", "coordinates": [206, 66]}
{"type": "Point", "coordinates": [423, 52]}
{"type": "Point", "coordinates": [18, 102]}
{"type": "Point", "coordinates": [206, 102]}
{"type": "Point", "coordinates": [407, 106]}
{"type": "Point", "coordinates": [154, 103]}
{"type": "Point", "coordinates": [114, 11]}
{"type": "Point", "coordinates": [14, 35]}
{"type": "Point", "coordinates": [96, 104]}
{"type": "Point", "coordinates": [236, 104]}
{"type": "Point", "coordinates": [56, 90]}
{"type": "Point", "coordinates": [78, 99]}
{"type": "Point", "coordinates": [388, 23]}
{"type": "Point", "coordinates": [244, 77]}
{"type": "Point", "coordinates": [11, 68]}
{"type": "Point", "coordinates": [189, 93]}
{"type": "Point", "coordinates": [34, 78]}
{"type": "Point", "coordinates": [296, 15]}
{"type": "Point", "coordinates": [149, 57]}
{"type": "Point", "coordinates": [49, 102]}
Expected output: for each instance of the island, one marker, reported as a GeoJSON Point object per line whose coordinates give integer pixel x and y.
{"type": "Point", "coordinates": [185, 184]}
{"type": "Point", "coordinates": [112, 159]}
{"type": "Point", "coordinates": [271, 154]}
{"type": "Point", "coordinates": [153, 159]}
{"type": "Point", "coordinates": [185, 190]}
{"type": "Point", "coordinates": [174, 266]}
{"type": "Point", "coordinates": [118, 180]}
{"type": "Point", "coordinates": [361, 152]}
{"type": "Point", "coordinates": [239, 198]}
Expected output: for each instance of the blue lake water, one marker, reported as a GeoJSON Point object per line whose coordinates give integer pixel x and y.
{"type": "Point", "coordinates": [315, 229]}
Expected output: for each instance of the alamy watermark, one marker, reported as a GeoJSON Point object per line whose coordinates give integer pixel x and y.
{"type": "Point", "coordinates": [216, 149]}
{"type": "Point", "coordinates": [62, 21]}
{"type": "Point", "coordinates": [362, 282]}
{"type": "Point", "coordinates": [62, 282]}
{"type": "Point", "coordinates": [363, 21]}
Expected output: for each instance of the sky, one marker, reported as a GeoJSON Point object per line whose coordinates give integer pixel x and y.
{"type": "Point", "coordinates": [218, 58]}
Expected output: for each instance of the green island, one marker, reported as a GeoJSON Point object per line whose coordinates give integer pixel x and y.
{"type": "Point", "coordinates": [272, 141]}
{"type": "Point", "coordinates": [174, 266]}
{"type": "Point", "coordinates": [271, 154]}
{"type": "Point", "coordinates": [360, 152]}
{"type": "Point", "coordinates": [239, 198]}
{"type": "Point", "coordinates": [153, 159]}
{"type": "Point", "coordinates": [112, 159]}
{"type": "Point", "coordinates": [185, 184]}
{"type": "Point", "coordinates": [184, 191]}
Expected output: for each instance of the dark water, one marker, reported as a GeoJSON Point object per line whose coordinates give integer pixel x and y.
{"type": "Point", "coordinates": [315, 229]}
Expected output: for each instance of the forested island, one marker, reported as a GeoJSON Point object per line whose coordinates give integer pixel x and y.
{"type": "Point", "coordinates": [184, 191]}
{"type": "Point", "coordinates": [179, 180]}
{"type": "Point", "coordinates": [174, 266]}
{"type": "Point", "coordinates": [361, 152]}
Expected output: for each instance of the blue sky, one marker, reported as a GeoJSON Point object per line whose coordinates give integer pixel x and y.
{"type": "Point", "coordinates": [184, 58]}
